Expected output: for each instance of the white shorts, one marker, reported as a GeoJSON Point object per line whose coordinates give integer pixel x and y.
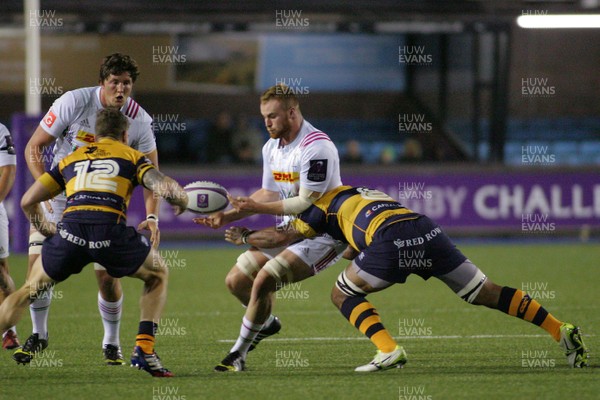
{"type": "Point", "coordinates": [319, 252]}
{"type": "Point", "coordinates": [4, 253]}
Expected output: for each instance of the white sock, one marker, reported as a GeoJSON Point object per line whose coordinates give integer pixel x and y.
{"type": "Point", "coordinates": [39, 310]}
{"type": "Point", "coordinates": [111, 319]}
{"type": "Point", "coordinates": [248, 332]}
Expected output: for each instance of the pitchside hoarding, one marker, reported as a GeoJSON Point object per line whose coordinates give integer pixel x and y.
{"type": "Point", "coordinates": [476, 200]}
{"type": "Point", "coordinates": [473, 200]}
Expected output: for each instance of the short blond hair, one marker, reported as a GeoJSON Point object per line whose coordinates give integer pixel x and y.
{"type": "Point", "coordinates": [283, 93]}
{"type": "Point", "coordinates": [110, 122]}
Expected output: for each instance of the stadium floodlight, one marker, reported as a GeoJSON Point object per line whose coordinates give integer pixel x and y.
{"type": "Point", "coordinates": [559, 21]}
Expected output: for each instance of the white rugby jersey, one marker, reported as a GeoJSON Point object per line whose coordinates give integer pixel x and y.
{"type": "Point", "coordinates": [8, 155]}
{"type": "Point", "coordinates": [311, 161]}
{"type": "Point", "coordinates": [72, 121]}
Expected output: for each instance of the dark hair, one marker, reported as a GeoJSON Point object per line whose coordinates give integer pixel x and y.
{"type": "Point", "coordinates": [116, 64]}
{"type": "Point", "coordinates": [110, 122]}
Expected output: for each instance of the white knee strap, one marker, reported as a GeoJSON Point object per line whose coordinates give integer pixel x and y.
{"type": "Point", "coordinates": [348, 287]}
{"type": "Point", "coordinates": [472, 289]}
{"type": "Point", "coordinates": [248, 265]}
{"type": "Point", "coordinates": [35, 243]}
{"type": "Point", "coordinates": [279, 268]}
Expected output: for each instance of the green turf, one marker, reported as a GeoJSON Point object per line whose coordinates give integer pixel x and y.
{"type": "Point", "coordinates": [200, 314]}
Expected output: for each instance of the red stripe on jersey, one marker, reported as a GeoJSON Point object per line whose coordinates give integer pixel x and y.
{"type": "Point", "coordinates": [128, 107]}
{"type": "Point", "coordinates": [314, 136]}
{"type": "Point", "coordinates": [315, 139]}
{"type": "Point", "coordinates": [135, 110]}
{"type": "Point", "coordinates": [309, 136]}
{"type": "Point", "coordinates": [132, 109]}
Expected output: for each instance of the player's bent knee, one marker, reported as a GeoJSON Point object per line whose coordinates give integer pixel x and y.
{"type": "Point", "coordinates": [35, 243]}
{"type": "Point", "coordinates": [248, 265]}
{"type": "Point", "coordinates": [153, 268]}
{"type": "Point", "coordinates": [472, 289]}
{"type": "Point", "coordinates": [279, 269]}
{"type": "Point", "coordinates": [347, 287]}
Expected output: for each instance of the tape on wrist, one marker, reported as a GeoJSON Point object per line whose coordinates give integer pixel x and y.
{"type": "Point", "coordinates": [152, 217]}
{"type": "Point", "coordinates": [245, 235]}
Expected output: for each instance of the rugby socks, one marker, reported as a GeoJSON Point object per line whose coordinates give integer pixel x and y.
{"type": "Point", "coordinates": [248, 332]}
{"type": "Point", "coordinates": [517, 303]}
{"type": "Point", "coordinates": [111, 319]}
{"type": "Point", "coordinates": [145, 336]}
{"type": "Point", "coordinates": [39, 310]}
{"type": "Point", "coordinates": [360, 313]}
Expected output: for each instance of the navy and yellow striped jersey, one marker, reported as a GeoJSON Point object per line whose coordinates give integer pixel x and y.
{"type": "Point", "coordinates": [352, 214]}
{"type": "Point", "coordinates": [99, 179]}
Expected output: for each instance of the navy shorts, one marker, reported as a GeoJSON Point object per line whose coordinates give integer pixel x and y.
{"type": "Point", "coordinates": [117, 247]}
{"type": "Point", "coordinates": [415, 246]}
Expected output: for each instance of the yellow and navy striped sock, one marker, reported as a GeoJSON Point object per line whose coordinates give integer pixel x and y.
{"type": "Point", "coordinates": [145, 336]}
{"type": "Point", "coordinates": [360, 313]}
{"type": "Point", "coordinates": [517, 303]}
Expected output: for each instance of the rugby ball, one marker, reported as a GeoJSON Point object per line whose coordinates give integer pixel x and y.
{"type": "Point", "coordinates": [205, 197]}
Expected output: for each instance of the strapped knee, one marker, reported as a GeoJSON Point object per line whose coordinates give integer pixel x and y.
{"type": "Point", "coordinates": [470, 291]}
{"type": "Point", "coordinates": [248, 265]}
{"type": "Point", "coordinates": [348, 287]}
{"type": "Point", "coordinates": [279, 269]}
{"type": "Point", "coordinates": [35, 243]}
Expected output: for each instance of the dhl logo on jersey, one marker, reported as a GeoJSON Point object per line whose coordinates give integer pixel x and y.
{"type": "Point", "coordinates": [85, 136]}
{"type": "Point", "coordinates": [290, 177]}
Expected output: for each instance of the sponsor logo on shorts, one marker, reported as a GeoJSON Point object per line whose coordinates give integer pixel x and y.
{"type": "Point", "coordinates": [69, 237]}
{"type": "Point", "coordinates": [400, 243]}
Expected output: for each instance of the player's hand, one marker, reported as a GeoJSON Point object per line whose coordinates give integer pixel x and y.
{"type": "Point", "coordinates": [152, 226]}
{"type": "Point", "coordinates": [48, 206]}
{"type": "Point", "coordinates": [241, 203]}
{"type": "Point", "coordinates": [234, 234]}
{"type": "Point", "coordinates": [215, 220]}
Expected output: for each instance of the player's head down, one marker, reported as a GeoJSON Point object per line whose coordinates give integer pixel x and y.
{"type": "Point", "coordinates": [110, 122]}
{"type": "Point", "coordinates": [280, 109]}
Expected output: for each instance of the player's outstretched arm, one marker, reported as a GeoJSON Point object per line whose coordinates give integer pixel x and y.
{"type": "Point", "coordinates": [265, 238]}
{"type": "Point", "coordinates": [167, 188]}
{"type": "Point", "coordinates": [219, 219]}
{"type": "Point", "coordinates": [30, 203]}
{"type": "Point", "coordinates": [290, 206]}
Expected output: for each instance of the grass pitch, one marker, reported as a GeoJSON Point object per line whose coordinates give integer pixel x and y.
{"type": "Point", "coordinates": [455, 350]}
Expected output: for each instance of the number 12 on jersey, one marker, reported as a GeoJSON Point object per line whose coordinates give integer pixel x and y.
{"type": "Point", "coordinates": [96, 175]}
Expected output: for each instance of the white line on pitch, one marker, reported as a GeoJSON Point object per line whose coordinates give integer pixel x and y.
{"type": "Point", "coordinates": [325, 339]}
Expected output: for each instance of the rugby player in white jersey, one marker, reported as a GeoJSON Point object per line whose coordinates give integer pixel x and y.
{"type": "Point", "coordinates": [68, 125]}
{"type": "Point", "coordinates": [8, 168]}
{"type": "Point", "coordinates": [299, 163]}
